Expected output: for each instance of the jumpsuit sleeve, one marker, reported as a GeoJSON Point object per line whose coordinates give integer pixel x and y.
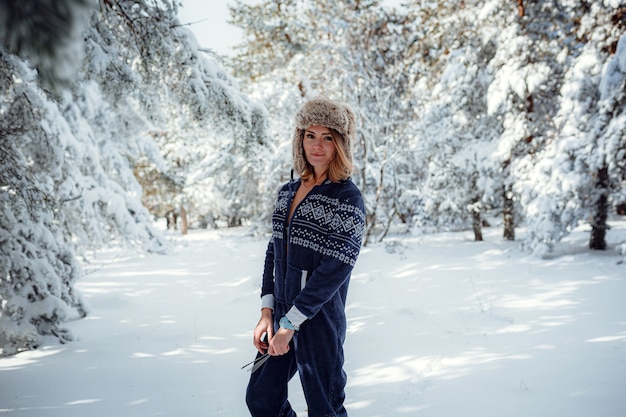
{"type": "Point", "coordinates": [338, 258]}
{"type": "Point", "coordinates": [267, 287]}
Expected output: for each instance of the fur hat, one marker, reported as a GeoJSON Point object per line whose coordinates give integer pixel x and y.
{"type": "Point", "coordinates": [332, 114]}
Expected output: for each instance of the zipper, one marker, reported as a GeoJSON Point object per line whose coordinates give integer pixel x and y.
{"type": "Point", "coordinates": [287, 227]}
{"type": "Point", "coordinates": [288, 219]}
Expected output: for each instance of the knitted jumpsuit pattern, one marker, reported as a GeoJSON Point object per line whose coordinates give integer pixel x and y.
{"type": "Point", "coordinates": [308, 264]}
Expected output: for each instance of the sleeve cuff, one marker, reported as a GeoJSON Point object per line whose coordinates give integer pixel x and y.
{"type": "Point", "coordinates": [295, 316]}
{"type": "Point", "coordinates": [267, 301]}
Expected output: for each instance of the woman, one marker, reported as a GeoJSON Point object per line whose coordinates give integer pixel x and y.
{"type": "Point", "coordinates": [317, 225]}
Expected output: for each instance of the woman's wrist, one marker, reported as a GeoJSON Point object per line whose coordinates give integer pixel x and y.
{"type": "Point", "coordinates": [286, 324]}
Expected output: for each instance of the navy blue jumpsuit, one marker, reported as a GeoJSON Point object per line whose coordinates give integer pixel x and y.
{"type": "Point", "coordinates": [307, 270]}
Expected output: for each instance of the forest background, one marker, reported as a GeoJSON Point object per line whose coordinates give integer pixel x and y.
{"type": "Point", "coordinates": [112, 116]}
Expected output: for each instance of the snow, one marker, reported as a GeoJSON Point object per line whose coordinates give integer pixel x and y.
{"type": "Point", "coordinates": [616, 68]}
{"type": "Point", "coordinates": [439, 326]}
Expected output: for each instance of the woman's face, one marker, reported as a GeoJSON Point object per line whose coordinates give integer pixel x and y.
{"type": "Point", "coordinates": [319, 147]}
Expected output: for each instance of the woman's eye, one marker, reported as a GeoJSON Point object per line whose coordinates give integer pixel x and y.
{"type": "Point", "coordinates": [328, 138]}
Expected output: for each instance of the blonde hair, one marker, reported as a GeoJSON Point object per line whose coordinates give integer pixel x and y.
{"type": "Point", "coordinates": [340, 167]}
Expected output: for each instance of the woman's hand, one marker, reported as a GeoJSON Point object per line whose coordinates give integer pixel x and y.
{"type": "Point", "coordinates": [279, 344]}
{"type": "Point", "coordinates": [264, 326]}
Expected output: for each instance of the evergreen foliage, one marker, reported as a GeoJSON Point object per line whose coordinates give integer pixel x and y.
{"type": "Point", "coordinates": [70, 158]}
{"type": "Point", "coordinates": [111, 117]}
{"type": "Point", "coordinates": [468, 110]}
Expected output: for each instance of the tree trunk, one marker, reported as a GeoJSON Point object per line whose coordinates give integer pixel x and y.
{"type": "Point", "coordinates": [477, 225]}
{"type": "Point", "coordinates": [508, 213]}
{"type": "Point", "coordinates": [372, 218]}
{"type": "Point", "coordinates": [601, 211]}
{"type": "Point", "coordinates": [183, 220]}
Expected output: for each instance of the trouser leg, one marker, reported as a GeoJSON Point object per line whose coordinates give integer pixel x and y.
{"type": "Point", "coordinates": [319, 353]}
{"type": "Point", "coordinates": [266, 395]}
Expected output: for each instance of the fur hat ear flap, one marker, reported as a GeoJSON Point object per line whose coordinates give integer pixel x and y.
{"type": "Point", "coordinates": [322, 111]}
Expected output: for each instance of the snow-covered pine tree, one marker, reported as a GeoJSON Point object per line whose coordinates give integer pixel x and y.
{"type": "Point", "coordinates": [609, 132]}
{"type": "Point", "coordinates": [223, 180]}
{"type": "Point", "coordinates": [457, 139]}
{"type": "Point", "coordinates": [100, 188]}
{"type": "Point", "coordinates": [48, 34]}
{"type": "Point", "coordinates": [456, 136]}
{"type": "Point", "coordinates": [37, 266]}
{"type": "Point", "coordinates": [275, 34]}
{"type": "Point", "coordinates": [67, 167]}
{"type": "Point", "coordinates": [192, 106]}
{"type": "Point", "coordinates": [77, 198]}
{"type": "Point", "coordinates": [561, 175]}
{"type": "Point", "coordinates": [569, 174]}
{"type": "Point", "coordinates": [528, 71]}
{"type": "Point", "coordinates": [608, 129]}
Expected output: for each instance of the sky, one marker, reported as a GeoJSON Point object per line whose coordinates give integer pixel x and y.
{"type": "Point", "coordinates": [209, 22]}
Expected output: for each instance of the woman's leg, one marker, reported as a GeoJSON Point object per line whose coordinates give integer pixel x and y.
{"type": "Point", "coordinates": [266, 394]}
{"type": "Point", "coordinates": [319, 354]}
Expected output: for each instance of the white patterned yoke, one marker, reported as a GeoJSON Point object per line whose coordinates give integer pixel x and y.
{"type": "Point", "coordinates": [310, 258]}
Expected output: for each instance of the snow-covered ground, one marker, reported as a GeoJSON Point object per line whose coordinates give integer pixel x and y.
{"type": "Point", "coordinates": [439, 326]}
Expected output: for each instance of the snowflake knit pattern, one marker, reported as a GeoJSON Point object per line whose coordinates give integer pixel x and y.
{"type": "Point", "coordinates": [328, 225]}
